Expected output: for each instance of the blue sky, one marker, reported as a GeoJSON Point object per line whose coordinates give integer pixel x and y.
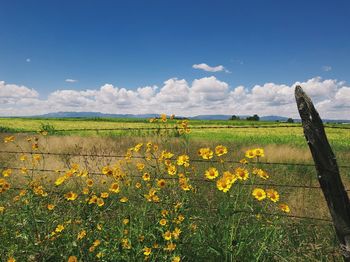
{"type": "Point", "coordinates": [133, 44]}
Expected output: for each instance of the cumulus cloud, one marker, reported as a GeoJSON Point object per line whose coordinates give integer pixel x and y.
{"type": "Point", "coordinates": [207, 95]}
{"type": "Point", "coordinates": [69, 80]}
{"type": "Point", "coordinates": [208, 68]}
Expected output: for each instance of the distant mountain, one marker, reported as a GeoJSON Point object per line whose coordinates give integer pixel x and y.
{"type": "Point", "coordinates": [227, 117]}
{"type": "Point", "coordinates": [211, 117]}
{"type": "Point", "coordinates": [274, 118]}
{"type": "Point", "coordinates": [271, 118]}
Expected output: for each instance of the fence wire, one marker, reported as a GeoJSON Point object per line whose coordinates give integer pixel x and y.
{"type": "Point", "coordinates": [175, 128]}
{"type": "Point", "coordinates": [141, 157]}
{"type": "Point", "coordinates": [94, 173]}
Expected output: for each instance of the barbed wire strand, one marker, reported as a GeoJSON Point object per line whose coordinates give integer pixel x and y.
{"type": "Point", "coordinates": [177, 128]}
{"type": "Point", "coordinates": [141, 157]}
{"type": "Point", "coordinates": [198, 206]}
{"type": "Point", "coordinates": [175, 178]}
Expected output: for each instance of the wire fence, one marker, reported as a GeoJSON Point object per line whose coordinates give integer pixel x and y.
{"type": "Point", "coordinates": [233, 212]}
{"type": "Point", "coordinates": [175, 128]}
{"type": "Point", "coordinates": [141, 157]}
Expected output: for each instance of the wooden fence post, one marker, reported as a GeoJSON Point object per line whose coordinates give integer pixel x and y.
{"type": "Point", "coordinates": [327, 169]}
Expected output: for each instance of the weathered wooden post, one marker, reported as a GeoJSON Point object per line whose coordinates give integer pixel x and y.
{"type": "Point", "coordinates": [327, 169]}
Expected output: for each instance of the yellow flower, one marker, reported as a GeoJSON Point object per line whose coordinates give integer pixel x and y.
{"type": "Point", "coordinates": [146, 177]}
{"type": "Point", "coordinates": [59, 228]}
{"type": "Point", "coordinates": [242, 173]}
{"type": "Point", "coordinates": [140, 166]}
{"type": "Point", "coordinates": [60, 180]}
{"type": "Point", "coordinates": [104, 195]}
{"type": "Point", "coordinates": [85, 191]}
{"type": "Point", "coordinates": [284, 208]}
{"type": "Point", "coordinates": [161, 183]}
{"type": "Point", "coordinates": [250, 154]}
{"type": "Point", "coordinates": [89, 182]}
{"type": "Point", "coordinates": [259, 152]}
{"type": "Point", "coordinates": [99, 255]}
{"type": "Point", "coordinates": [138, 147]}
{"type": "Point", "coordinates": [176, 233]}
{"type": "Point", "coordinates": [50, 207]}
{"type": "Point", "coordinates": [35, 146]}
{"type": "Point", "coordinates": [96, 243]}
{"type": "Point", "coordinates": [180, 218]}
{"type": "Point", "coordinates": [107, 171]}
{"type": "Point", "coordinates": [260, 173]}
{"type": "Point", "coordinates": [11, 259]}
{"type": "Point", "coordinates": [125, 243]}
{"type": "Point", "coordinates": [212, 173]}
{"type": "Point", "coordinates": [272, 195]}
{"type": "Point", "coordinates": [126, 221]}
{"type": "Point", "coordinates": [170, 247]}
{"type": "Point", "coordinates": [99, 227]}
{"type": "Point", "coordinates": [176, 259]}
{"type": "Point", "coordinates": [223, 184]}
{"type": "Point", "coordinates": [220, 150]}
{"type": "Point", "coordinates": [147, 251]}
{"type": "Point", "coordinates": [93, 199]}
{"type": "Point", "coordinates": [163, 222]}
{"type": "Point", "coordinates": [164, 213]}
{"type": "Point", "coordinates": [23, 158]}
{"type": "Point", "coordinates": [9, 139]}
{"type": "Point", "coordinates": [171, 169]}
{"type": "Point", "coordinates": [185, 186]}
{"type": "Point", "coordinates": [243, 161]}
{"type": "Point", "coordinates": [72, 259]}
{"type": "Point", "coordinates": [71, 196]}
{"type": "Point", "coordinates": [205, 153]}
{"type": "Point", "coordinates": [2, 209]}
{"type": "Point", "coordinates": [163, 117]}
{"type": "Point", "coordinates": [124, 199]}
{"type": "Point", "coordinates": [36, 157]}
{"type": "Point", "coordinates": [7, 172]}
{"type": "Point", "coordinates": [114, 188]}
{"type": "Point", "coordinates": [81, 234]}
{"type": "Point", "coordinates": [24, 170]}
{"type": "Point", "coordinates": [100, 202]}
{"type": "Point", "coordinates": [183, 160]}
{"type": "Point", "coordinates": [138, 185]}
{"type": "Point", "coordinates": [167, 235]}
{"type": "Point", "coordinates": [259, 194]}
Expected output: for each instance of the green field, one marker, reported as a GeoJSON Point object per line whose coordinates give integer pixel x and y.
{"type": "Point", "coordinates": [293, 135]}
{"type": "Point", "coordinates": [216, 226]}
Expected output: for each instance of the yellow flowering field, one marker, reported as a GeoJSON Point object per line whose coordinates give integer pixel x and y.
{"type": "Point", "coordinates": [158, 201]}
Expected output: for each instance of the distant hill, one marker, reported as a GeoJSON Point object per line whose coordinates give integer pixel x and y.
{"type": "Point", "coordinates": [274, 118]}
{"type": "Point", "coordinates": [271, 118]}
{"type": "Point", "coordinates": [211, 117]}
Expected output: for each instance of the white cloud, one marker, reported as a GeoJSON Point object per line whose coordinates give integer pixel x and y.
{"type": "Point", "coordinates": [326, 68]}
{"type": "Point", "coordinates": [28, 60]}
{"type": "Point", "coordinates": [69, 80]}
{"type": "Point", "coordinates": [208, 68]}
{"type": "Point", "coordinates": [207, 95]}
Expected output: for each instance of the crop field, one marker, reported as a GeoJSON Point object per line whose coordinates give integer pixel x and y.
{"type": "Point", "coordinates": [163, 190]}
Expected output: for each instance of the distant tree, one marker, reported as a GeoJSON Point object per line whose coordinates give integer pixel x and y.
{"type": "Point", "coordinates": [290, 120]}
{"type": "Point", "coordinates": [234, 117]}
{"type": "Point", "coordinates": [253, 118]}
